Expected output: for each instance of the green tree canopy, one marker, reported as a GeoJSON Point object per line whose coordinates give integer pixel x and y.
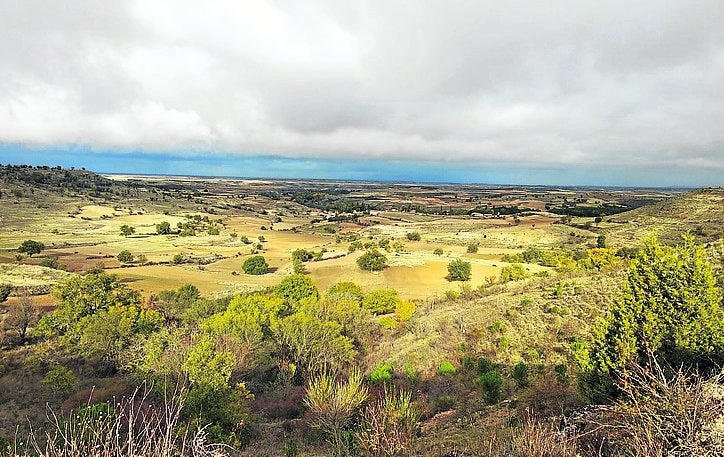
{"type": "Point", "coordinates": [295, 288]}
{"type": "Point", "coordinates": [127, 230]}
{"type": "Point", "coordinates": [669, 309]}
{"type": "Point", "coordinates": [381, 301]}
{"type": "Point", "coordinates": [255, 265]}
{"type": "Point", "coordinates": [459, 270]}
{"type": "Point", "coordinates": [31, 247]}
{"type": "Point", "coordinates": [164, 228]}
{"type": "Point", "coordinates": [125, 256]}
{"type": "Point", "coordinates": [372, 260]}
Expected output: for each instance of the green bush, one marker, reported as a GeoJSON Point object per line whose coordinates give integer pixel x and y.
{"type": "Point", "coordinates": [255, 265]}
{"type": "Point", "coordinates": [60, 379]}
{"type": "Point", "coordinates": [446, 369]}
{"type": "Point", "coordinates": [125, 256]}
{"type": "Point", "coordinates": [413, 236]}
{"type": "Point", "coordinates": [346, 290]}
{"type": "Point", "coordinates": [437, 251]}
{"type": "Point", "coordinates": [164, 228]}
{"type": "Point", "coordinates": [5, 290]}
{"type": "Point", "coordinates": [295, 288]}
{"type": "Point", "coordinates": [372, 260]}
{"type": "Point", "coordinates": [389, 322]}
{"type": "Point", "coordinates": [513, 272]}
{"type": "Point", "coordinates": [212, 231]}
{"type": "Point", "coordinates": [472, 248]}
{"type": "Point", "coordinates": [492, 384]}
{"type": "Point", "coordinates": [459, 270]}
{"type": "Point", "coordinates": [382, 374]}
{"type": "Point", "coordinates": [443, 403]}
{"type": "Point", "coordinates": [520, 374]}
{"type": "Point", "coordinates": [381, 301]}
{"type": "Point", "coordinates": [31, 247]}
{"type": "Point", "coordinates": [51, 262]}
{"type": "Point", "coordinates": [302, 254]}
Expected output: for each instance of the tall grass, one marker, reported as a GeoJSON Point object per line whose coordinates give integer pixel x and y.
{"type": "Point", "coordinates": [129, 427]}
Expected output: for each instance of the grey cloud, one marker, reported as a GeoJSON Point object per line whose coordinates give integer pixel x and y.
{"type": "Point", "coordinates": [541, 83]}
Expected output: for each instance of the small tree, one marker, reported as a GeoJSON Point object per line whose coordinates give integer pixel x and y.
{"type": "Point", "coordinates": [601, 241]}
{"type": "Point", "coordinates": [21, 316]}
{"type": "Point", "coordinates": [381, 301]}
{"type": "Point", "coordinates": [31, 247]}
{"type": "Point", "coordinates": [414, 236]}
{"type": "Point", "coordinates": [302, 255]}
{"type": "Point", "coordinates": [472, 248]}
{"type": "Point", "coordinates": [255, 265]}
{"type": "Point", "coordinates": [125, 256]}
{"type": "Point", "coordinates": [513, 272]}
{"type": "Point", "coordinates": [60, 379]}
{"type": "Point", "coordinates": [127, 230]}
{"type": "Point", "coordinates": [437, 251]}
{"type": "Point", "coordinates": [164, 228]}
{"type": "Point", "coordinates": [459, 270]}
{"type": "Point", "coordinates": [372, 260]}
{"type": "Point", "coordinates": [295, 288]}
{"type": "Point", "coordinates": [5, 290]}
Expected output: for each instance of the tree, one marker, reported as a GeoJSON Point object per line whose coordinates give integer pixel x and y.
{"type": "Point", "coordinates": [669, 309]}
{"type": "Point", "coordinates": [381, 301]}
{"type": "Point", "coordinates": [437, 251]}
{"type": "Point", "coordinates": [346, 290]}
{"type": "Point", "coordinates": [127, 230]}
{"type": "Point", "coordinates": [255, 265]}
{"type": "Point", "coordinates": [5, 290]}
{"type": "Point", "coordinates": [601, 241]}
{"type": "Point", "coordinates": [372, 260]}
{"type": "Point", "coordinates": [125, 256]}
{"type": "Point", "coordinates": [414, 236]}
{"type": "Point", "coordinates": [513, 272]}
{"type": "Point", "coordinates": [459, 270]}
{"type": "Point", "coordinates": [31, 247]}
{"type": "Point", "coordinates": [302, 255]}
{"type": "Point", "coordinates": [295, 288]}
{"type": "Point", "coordinates": [472, 248]}
{"type": "Point", "coordinates": [21, 316]}
{"type": "Point", "coordinates": [164, 228]}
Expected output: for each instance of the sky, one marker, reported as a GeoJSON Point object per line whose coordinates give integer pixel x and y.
{"type": "Point", "coordinates": [580, 92]}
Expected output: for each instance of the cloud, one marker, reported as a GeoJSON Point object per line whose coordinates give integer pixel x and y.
{"type": "Point", "coordinates": [563, 83]}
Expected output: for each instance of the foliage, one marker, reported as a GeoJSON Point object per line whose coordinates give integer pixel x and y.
{"type": "Point", "coordinates": [163, 228]}
{"type": "Point", "coordinates": [459, 270]}
{"type": "Point", "coordinates": [472, 248]}
{"type": "Point", "coordinates": [82, 296]}
{"type": "Point", "coordinates": [372, 260]}
{"type": "Point", "coordinates": [127, 230]}
{"type": "Point", "coordinates": [389, 322]}
{"type": "Point", "coordinates": [345, 290]}
{"type": "Point", "coordinates": [381, 301]}
{"type": "Point", "coordinates": [446, 369]}
{"type": "Point", "coordinates": [413, 236]}
{"type": "Point", "coordinates": [601, 241]}
{"type": "Point", "coordinates": [21, 315]}
{"type": "Point", "coordinates": [302, 254]}
{"type": "Point", "coordinates": [333, 405]}
{"type": "Point", "coordinates": [31, 247]}
{"type": "Point", "coordinates": [382, 374]}
{"type": "Point", "coordinates": [212, 231]}
{"type": "Point", "coordinates": [208, 368]}
{"type": "Point", "coordinates": [513, 272]}
{"type": "Point", "coordinates": [125, 256]}
{"type": "Point", "coordinates": [295, 288]}
{"type": "Point", "coordinates": [255, 265]}
{"type": "Point", "coordinates": [404, 310]}
{"type": "Point", "coordinates": [389, 425]}
{"type": "Point", "coordinates": [492, 384]}
{"type": "Point", "coordinates": [437, 251]}
{"type": "Point", "coordinates": [313, 344]}
{"type": "Point", "coordinates": [298, 267]}
{"type": "Point", "coordinates": [60, 379]}
{"type": "Point", "coordinates": [669, 308]}
{"type": "Point", "coordinates": [5, 290]}
{"type": "Point", "coordinates": [599, 258]}
{"type": "Point", "coordinates": [520, 374]}
{"type": "Point", "coordinates": [52, 262]}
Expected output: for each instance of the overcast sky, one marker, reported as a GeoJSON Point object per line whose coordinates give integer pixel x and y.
{"type": "Point", "coordinates": [546, 92]}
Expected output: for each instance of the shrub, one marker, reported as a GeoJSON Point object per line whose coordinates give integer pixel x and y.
{"type": "Point", "coordinates": [51, 262]}
{"type": "Point", "coordinates": [60, 379]}
{"type": "Point", "coordinates": [372, 260]}
{"type": "Point", "coordinates": [178, 259]}
{"type": "Point", "coordinates": [389, 425]}
{"type": "Point", "coordinates": [164, 228]}
{"type": "Point", "coordinates": [446, 369]}
{"type": "Point", "coordinates": [255, 265]}
{"type": "Point", "coordinates": [382, 374]}
{"type": "Point", "coordinates": [443, 403]}
{"type": "Point", "coordinates": [346, 290]}
{"type": "Point", "coordinates": [492, 384]}
{"type": "Point", "coordinates": [381, 301]}
{"type": "Point", "coordinates": [5, 290]}
{"type": "Point", "coordinates": [188, 231]}
{"type": "Point", "coordinates": [459, 270]}
{"type": "Point", "coordinates": [389, 322]}
{"type": "Point", "coordinates": [302, 254]}
{"type": "Point", "coordinates": [561, 373]}
{"type": "Point", "coordinates": [212, 231]}
{"type": "Point", "coordinates": [669, 308]}
{"type": "Point", "coordinates": [520, 374]}
{"type": "Point", "coordinates": [513, 272]}
{"type": "Point", "coordinates": [125, 256]}
{"type": "Point", "coordinates": [413, 236]}
{"type": "Point", "coordinates": [127, 230]}
{"type": "Point", "coordinates": [404, 310]}
{"type": "Point", "coordinates": [295, 288]}
{"type": "Point", "coordinates": [472, 248]}
{"type": "Point", "coordinates": [411, 373]}
{"type": "Point", "coordinates": [437, 251]}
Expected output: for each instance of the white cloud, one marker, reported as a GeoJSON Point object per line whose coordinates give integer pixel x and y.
{"type": "Point", "coordinates": [540, 83]}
